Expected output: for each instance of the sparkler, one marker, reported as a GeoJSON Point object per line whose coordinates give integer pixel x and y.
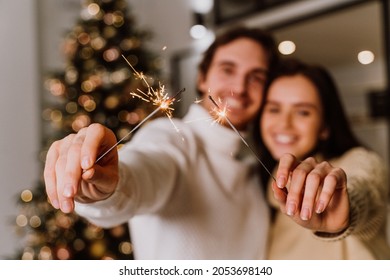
{"type": "Point", "coordinates": [163, 106]}
{"type": "Point", "coordinates": [158, 97]}
{"type": "Point", "coordinates": [221, 114]}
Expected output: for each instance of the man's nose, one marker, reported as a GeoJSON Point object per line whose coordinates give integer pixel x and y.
{"type": "Point", "coordinates": [238, 85]}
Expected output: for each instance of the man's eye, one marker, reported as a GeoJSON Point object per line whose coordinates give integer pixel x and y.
{"type": "Point", "coordinates": [303, 113]}
{"type": "Point", "coordinates": [256, 79]}
{"type": "Point", "coordinates": [227, 70]}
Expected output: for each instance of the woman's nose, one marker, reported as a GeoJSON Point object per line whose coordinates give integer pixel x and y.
{"type": "Point", "coordinates": [285, 120]}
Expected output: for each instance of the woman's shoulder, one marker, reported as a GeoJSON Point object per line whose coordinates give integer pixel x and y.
{"type": "Point", "coordinates": [361, 154]}
{"type": "Point", "coordinates": [360, 160]}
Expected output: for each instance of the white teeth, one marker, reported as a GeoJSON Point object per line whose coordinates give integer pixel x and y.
{"type": "Point", "coordinates": [284, 139]}
{"type": "Point", "coordinates": [233, 103]}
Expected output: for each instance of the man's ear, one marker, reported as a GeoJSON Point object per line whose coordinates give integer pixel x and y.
{"type": "Point", "coordinates": [200, 83]}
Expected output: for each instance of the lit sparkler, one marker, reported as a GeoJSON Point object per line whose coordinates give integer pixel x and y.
{"type": "Point", "coordinates": [159, 98]}
{"type": "Point", "coordinates": [222, 115]}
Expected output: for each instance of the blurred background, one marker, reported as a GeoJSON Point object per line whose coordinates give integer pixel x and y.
{"type": "Point", "coordinates": [61, 69]}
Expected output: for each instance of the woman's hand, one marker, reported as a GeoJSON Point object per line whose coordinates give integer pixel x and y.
{"type": "Point", "coordinates": [316, 196]}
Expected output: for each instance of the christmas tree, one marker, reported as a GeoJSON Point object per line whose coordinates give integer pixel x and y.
{"type": "Point", "coordinates": [94, 87]}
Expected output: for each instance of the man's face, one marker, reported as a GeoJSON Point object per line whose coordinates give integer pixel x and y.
{"type": "Point", "coordinates": [236, 80]}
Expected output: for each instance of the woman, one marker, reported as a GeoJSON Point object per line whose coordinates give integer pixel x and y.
{"type": "Point", "coordinates": [327, 186]}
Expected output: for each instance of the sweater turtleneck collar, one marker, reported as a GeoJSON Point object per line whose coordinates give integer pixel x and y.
{"type": "Point", "coordinates": [215, 133]}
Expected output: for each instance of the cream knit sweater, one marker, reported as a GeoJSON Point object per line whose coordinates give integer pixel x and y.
{"type": "Point", "coordinates": [365, 238]}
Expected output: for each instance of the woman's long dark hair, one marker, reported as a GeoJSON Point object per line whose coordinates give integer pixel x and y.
{"type": "Point", "coordinates": [341, 137]}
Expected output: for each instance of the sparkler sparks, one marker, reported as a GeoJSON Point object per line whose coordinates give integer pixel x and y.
{"type": "Point", "coordinates": [159, 98]}
{"type": "Point", "coordinates": [219, 113]}
{"type": "Point", "coordinates": [222, 115]}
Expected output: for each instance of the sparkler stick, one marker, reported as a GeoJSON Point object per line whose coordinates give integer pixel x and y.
{"type": "Point", "coordinates": [163, 106]}
{"type": "Point", "coordinates": [158, 97]}
{"type": "Point", "coordinates": [242, 138]}
{"type": "Point", "coordinates": [124, 137]}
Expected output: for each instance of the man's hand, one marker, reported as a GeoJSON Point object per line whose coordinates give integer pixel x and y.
{"type": "Point", "coordinates": [70, 170]}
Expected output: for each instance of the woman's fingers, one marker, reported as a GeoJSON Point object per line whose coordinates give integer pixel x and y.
{"type": "Point", "coordinates": [287, 163]}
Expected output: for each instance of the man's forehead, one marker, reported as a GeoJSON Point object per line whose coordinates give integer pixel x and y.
{"type": "Point", "coordinates": [235, 63]}
{"type": "Point", "coordinates": [252, 54]}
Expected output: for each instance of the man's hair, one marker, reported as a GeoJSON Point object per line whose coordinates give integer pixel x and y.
{"type": "Point", "coordinates": [261, 36]}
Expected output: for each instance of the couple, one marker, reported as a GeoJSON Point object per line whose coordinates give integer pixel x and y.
{"type": "Point", "coordinates": [197, 195]}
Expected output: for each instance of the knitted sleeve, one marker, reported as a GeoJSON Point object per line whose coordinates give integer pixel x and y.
{"type": "Point", "coordinates": [368, 193]}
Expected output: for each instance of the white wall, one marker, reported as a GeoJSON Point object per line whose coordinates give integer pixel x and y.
{"type": "Point", "coordinates": [19, 111]}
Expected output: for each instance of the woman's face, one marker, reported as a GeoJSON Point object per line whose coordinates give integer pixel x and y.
{"type": "Point", "coordinates": [292, 121]}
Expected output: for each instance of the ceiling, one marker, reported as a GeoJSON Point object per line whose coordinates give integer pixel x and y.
{"type": "Point", "coordinates": [335, 38]}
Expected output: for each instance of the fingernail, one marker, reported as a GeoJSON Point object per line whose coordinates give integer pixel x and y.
{"type": "Point", "coordinates": [85, 163]}
{"type": "Point", "coordinates": [305, 213]}
{"type": "Point", "coordinates": [281, 182]}
{"type": "Point", "coordinates": [55, 204]}
{"type": "Point", "coordinates": [291, 208]}
{"type": "Point", "coordinates": [320, 207]}
{"type": "Point", "coordinates": [90, 173]}
{"type": "Point", "coordinates": [68, 191]}
{"type": "Point", "coordinates": [66, 207]}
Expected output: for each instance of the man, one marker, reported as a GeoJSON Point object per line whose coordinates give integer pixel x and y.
{"type": "Point", "coordinates": [193, 195]}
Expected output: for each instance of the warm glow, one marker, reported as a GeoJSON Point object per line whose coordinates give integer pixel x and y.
{"type": "Point", "coordinates": [89, 105]}
{"type": "Point", "coordinates": [56, 115]}
{"type": "Point", "coordinates": [35, 221]}
{"type": "Point", "coordinates": [83, 38]}
{"type": "Point", "coordinates": [55, 86]}
{"type": "Point", "coordinates": [118, 19]}
{"type": "Point", "coordinates": [79, 244]}
{"type": "Point", "coordinates": [71, 107]}
{"type": "Point", "coordinates": [21, 220]}
{"type": "Point", "coordinates": [45, 253]}
{"type": "Point", "coordinates": [198, 31]}
{"type": "Point", "coordinates": [84, 98]}
{"type": "Point", "coordinates": [287, 47]}
{"type": "Point", "coordinates": [119, 76]}
{"type": "Point", "coordinates": [202, 6]}
{"type": "Point", "coordinates": [366, 57]}
{"type": "Point", "coordinates": [26, 196]}
{"type": "Point", "coordinates": [133, 118]}
{"type": "Point", "coordinates": [108, 18]}
{"type": "Point", "coordinates": [111, 54]}
{"type": "Point", "coordinates": [63, 254]}
{"type": "Point", "coordinates": [111, 102]}
{"type": "Point", "coordinates": [93, 9]}
{"type": "Point", "coordinates": [125, 248]}
{"type": "Point", "coordinates": [98, 43]}
{"type": "Point", "coordinates": [87, 86]}
{"type": "Point", "coordinates": [71, 75]}
{"type": "Point", "coordinates": [80, 122]}
{"type": "Point", "coordinates": [28, 254]}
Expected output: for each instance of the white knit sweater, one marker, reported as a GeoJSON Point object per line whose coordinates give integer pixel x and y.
{"type": "Point", "coordinates": [187, 194]}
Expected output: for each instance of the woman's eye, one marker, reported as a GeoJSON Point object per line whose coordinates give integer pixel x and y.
{"type": "Point", "coordinates": [303, 113]}
{"type": "Point", "coordinates": [271, 109]}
